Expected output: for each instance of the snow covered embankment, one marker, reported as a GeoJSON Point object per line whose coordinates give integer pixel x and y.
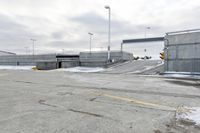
{"type": "Point", "coordinates": [16, 67]}
{"type": "Point", "coordinates": [189, 115]}
{"type": "Point", "coordinates": [82, 69]}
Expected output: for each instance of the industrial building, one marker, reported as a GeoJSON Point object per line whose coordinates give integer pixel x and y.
{"type": "Point", "coordinates": [181, 54]}
{"type": "Point", "coordinates": [53, 61]}
{"type": "Point", "coordinates": [86, 59]}
{"type": "Point", "coordinates": [25, 60]}
{"type": "Point", "coordinates": [181, 50]}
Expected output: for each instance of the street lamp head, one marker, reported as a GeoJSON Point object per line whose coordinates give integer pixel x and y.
{"type": "Point", "coordinates": [148, 27]}
{"type": "Point", "coordinates": [90, 33]}
{"type": "Point", "coordinates": [33, 39]}
{"type": "Point", "coordinates": [107, 7]}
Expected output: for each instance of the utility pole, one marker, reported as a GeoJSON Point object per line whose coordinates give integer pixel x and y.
{"type": "Point", "coordinates": [145, 50]}
{"type": "Point", "coordinates": [63, 51]}
{"type": "Point", "coordinates": [26, 48]}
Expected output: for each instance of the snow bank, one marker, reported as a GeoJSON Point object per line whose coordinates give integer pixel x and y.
{"type": "Point", "coordinates": [16, 67]}
{"type": "Point", "coordinates": [82, 69]}
{"type": "Point", "coordinates": [190, 114]}
{"type": "Point", "coordinates": [182, 76]}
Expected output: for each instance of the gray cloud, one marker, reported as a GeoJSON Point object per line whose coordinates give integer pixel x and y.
{"type": "Point", "coordinates": [90, 19]}
{"type": "Point", "coordinates": [10, 28]}
{"type": "Point", "coordinates": [58, 35]}
{"type": "Point", "coordinates": [119, 29]}
{"type": "Point", "coordinates": [68, 44]}
{"type": "Point", "coordinates": [12, 34]}
{"type": "Point", "coordinates": [93, 22]}
{"type": "Point", "coordinates": [16, 36]}
{"type": "Point", "coordinates": [55, 28]}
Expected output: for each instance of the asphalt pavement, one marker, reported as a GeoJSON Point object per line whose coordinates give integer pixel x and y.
{"type": "Point", "coordinates": [65, 102]}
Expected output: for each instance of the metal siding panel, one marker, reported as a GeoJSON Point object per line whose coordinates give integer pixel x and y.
{"type": "Point", "coordinates": [183, 52]}
{"type": "Point", "coordinates": [186, 51]}
{"type": "Point", "coordinates": [172, 52]}
{"type": "Point", "coordinates": [183, 38]}
{"type": "Point", "coordinates": [197, 51]}
{"type": "Point", "coordinates": [197, 66]}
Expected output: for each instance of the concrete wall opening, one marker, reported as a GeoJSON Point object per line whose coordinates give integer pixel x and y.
{"type": "Point", "coordinates": [60, 64]}
{"type": "Point", "coordinates": [150, 47]}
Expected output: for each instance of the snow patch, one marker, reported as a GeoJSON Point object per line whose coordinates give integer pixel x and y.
{"type": "Point", "coordinates": [190, 114]}
{"type": "Point", "coordinates": [182, 76]}
{"type": "Point", "coordinates": [16, 67]}
{"type": "Point", "coordinates": [82, 69]}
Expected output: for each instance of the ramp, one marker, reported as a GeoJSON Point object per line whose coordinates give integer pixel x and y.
{"type": "Point", "coordinates": [138, 67]}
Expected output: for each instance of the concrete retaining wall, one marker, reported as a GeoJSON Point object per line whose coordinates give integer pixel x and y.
{"type": "Point", "coordinates": [46, 65]}
{"type": "Point", "coordinates": [93, 64]}
{"type": "Point", "coordinates": [53, 61]}
{"type": "Point", "coordinates": [68, 64]}
{"type": "Point", "coordinates": [62, 61]}
{"type": "Point", "coordinates": [27, 60]}
{"type": "Point", "coordinates": [49, 65]}
{"type": "Point", "coordinates": [68, 61]}
{"type": "Point", "coordinates": [182, 52]}
{"type": "Point", "coordinates": [100, 59]}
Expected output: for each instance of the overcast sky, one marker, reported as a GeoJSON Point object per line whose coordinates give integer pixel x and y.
{"type": "Point", "coordinates": [64, 24]}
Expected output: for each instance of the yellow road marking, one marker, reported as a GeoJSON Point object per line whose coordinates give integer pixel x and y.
{"type": "Point", "coordinates": [142, 103]}
{"type": "Point", "coordinates": [1, 75]}
{"type": "Point", "coordinates": [139, 102]}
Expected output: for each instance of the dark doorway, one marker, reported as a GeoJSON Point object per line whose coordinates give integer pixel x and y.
{"type": "Point", "coordinates": [59, 64]}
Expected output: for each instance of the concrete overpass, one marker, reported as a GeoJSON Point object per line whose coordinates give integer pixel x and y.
{"type": "Point", "coordinates": [141, 40]}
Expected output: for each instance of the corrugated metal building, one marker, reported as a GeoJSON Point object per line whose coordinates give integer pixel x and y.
{"type": "Point", "coordinates": [182, 51]}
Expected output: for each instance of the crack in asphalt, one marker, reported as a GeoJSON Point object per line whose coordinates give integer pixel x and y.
{"type": "Point", "coordinates": [93, 114]}
{"type": "Point", "coordinates": [118, 90]}
{"type": "Point", "coordinates": [87, 113]}
{"type": "Point", "coordinates": [43, 103]}
{"type": "Point", "coordinates": [132, 91]}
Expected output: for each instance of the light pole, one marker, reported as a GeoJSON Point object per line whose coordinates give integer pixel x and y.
{"type": "Point", "coordinates": [109, 11]}
{"type": "Point", "coordinates": [26, 48]}
{"type": "Point", "coordinates": [90, 41]}
{"type": "Point", "coordinates": [145, 50]}
{"type": "Point", "coordinates": [63, 51]}
{"type": "Point", "coordinates": [146, 28]}
{"type": "Point", "coordinates": [33, 46]}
